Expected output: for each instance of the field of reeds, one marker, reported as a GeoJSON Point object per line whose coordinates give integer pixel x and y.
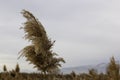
{"type": "Point", "coordinates": [112, 73]}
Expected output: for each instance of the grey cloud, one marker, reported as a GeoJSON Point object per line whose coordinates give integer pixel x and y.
{"type": "Point", "coordinates": [85, 30]}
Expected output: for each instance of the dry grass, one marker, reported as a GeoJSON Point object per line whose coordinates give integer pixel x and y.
{"type": "Point", "coordinates": [112, 73]}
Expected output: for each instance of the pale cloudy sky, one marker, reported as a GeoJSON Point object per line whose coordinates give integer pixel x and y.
{"type": "Point", "coordinates": [86, 31]}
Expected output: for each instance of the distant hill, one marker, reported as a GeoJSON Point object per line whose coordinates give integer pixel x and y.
{"type": "Point", "coordinates": [84, 69]}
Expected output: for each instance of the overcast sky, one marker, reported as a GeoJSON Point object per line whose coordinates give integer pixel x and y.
{"type": "Point", "coordinates": [86, 31]}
